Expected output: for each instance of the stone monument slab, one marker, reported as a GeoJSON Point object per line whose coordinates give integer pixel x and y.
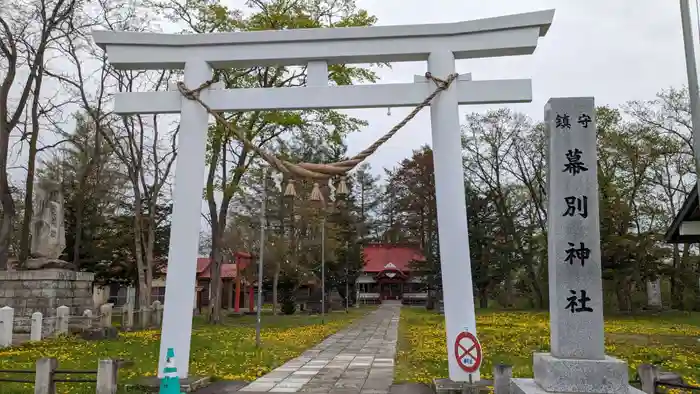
{"type": "Point", "coordinates": [48, 231]}
{"type": "Point", "coordinates": [654, 293]}
{"type": "Point", "coordinates": [577, 362]}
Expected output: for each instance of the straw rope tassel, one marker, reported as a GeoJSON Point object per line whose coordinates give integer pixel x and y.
{"type": "Point", "coordinates": [290, 191]}
{"type": "Point", "coordinates": [316, 194]}
{"type": "Point", "coordinates": [342, 188]}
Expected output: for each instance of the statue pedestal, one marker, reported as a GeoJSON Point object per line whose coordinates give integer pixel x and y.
{"type": "Point", "coordinates": [40, 263]}
{"type": "Point", "coordinates": [45, 290]}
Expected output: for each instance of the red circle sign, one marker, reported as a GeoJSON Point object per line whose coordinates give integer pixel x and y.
{"type": "Point", "coordinates": [468, 352]}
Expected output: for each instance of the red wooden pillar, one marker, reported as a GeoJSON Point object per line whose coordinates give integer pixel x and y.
{"type": "Point", "coordinates": [251, 297]}
{"type": "Point", "coordinates": [237, 303]}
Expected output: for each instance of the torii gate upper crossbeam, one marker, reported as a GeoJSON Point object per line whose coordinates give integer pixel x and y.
{"type": "Point", "coordinates": [491, 37]}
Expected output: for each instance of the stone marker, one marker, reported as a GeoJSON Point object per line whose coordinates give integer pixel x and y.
{"type": "Point", "coordinates": [157, 309]}
{"type": "Point", "coordinates": [145, 317]}
{"type": "Point", "coordinates": [7, 317]}
{"type": "Point", "coordinates": [62, 314]}
{"type": "Point", "coordinates": [106, 315]}
{"type": "Point", "coordinates": [87, 318]}
{"type": "Point", "coordinates": [128, 316]}
{"type": "Point", "coordinates": [577, 362]}
{"type": "Point", "coordinates": [37, 326]}
{"type": "Point", "coordinates": [654, 293]}
{"type": "Point", "coordinates": [107, 377]}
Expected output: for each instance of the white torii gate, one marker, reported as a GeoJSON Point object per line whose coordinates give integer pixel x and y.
{"type": "Point", "coordinates": [439, 44]}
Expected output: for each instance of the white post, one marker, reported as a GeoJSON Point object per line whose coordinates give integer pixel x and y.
{"type": "Point", "coordinates": [7, 318]}
{"type": "Point", "coordinates": [62, 313]}
{"type": "Point", "coordinates": [263, 208]}
{"type": "Point", "coordinates": [184, 233]}
{"type": "Point", "coordinates": [37, 322]}
{"type": "Point", "coordinates": [452, 213]}
{"type": "Point", "coordinates": [323, 267]}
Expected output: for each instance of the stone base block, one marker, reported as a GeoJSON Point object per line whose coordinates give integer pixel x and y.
{"type": "Point", "coordinates": [561, 375]}
{"type": "Point", "coordinates": [447, 386]}
{"type": "Point", "coordinates": [528, 386]}
{"type": "Point", "coordinates": [45, 290]}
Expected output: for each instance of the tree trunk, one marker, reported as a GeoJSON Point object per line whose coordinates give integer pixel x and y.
{"type": "Point", "coordinates": [674, 276]}
{"type": "Point", "coordinates": [215, 282]}
{"type": "Point", "coordinates": [6, 225]}
{"type": "Point", "coordinates": [144, 289]}
{"type": "Point", "coordinates": [275, 283]}
{"type": "Point", "coordinates": [31, 166]}
{"type": "Point", "coordinates": [6, 201]}
{"type": "Point", "coordinates": [620, 290]}
{"type": "Point", "coordinates": [149, 241]}
{"type": "Point", "coordinates": [483, 298]}
{"type": "Point", "coordinates": [537, 296]}
{"type": "Point", "coordinates": [508, 290]}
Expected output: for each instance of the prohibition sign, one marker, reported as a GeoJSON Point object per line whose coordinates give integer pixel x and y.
{"type": "Point", "coordinates": [468, 352]}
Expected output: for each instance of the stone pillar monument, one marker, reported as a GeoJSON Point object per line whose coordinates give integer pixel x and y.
{"type": "Point", "coordinates": [48, 228]}
{"type": "Point", "coordinates": [577, 362]}
{"type": "Point", "coordinates": [46, 282]}
{"type": "Point", "coordinates": [654, 293]}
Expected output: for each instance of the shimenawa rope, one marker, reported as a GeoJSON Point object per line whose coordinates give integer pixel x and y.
{"type": "Point", "coordinates": [314, 170]}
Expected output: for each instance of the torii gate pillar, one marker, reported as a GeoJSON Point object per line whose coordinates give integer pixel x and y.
{"type": "Point", "coordinates": [450, 199]}
{"type": "Point", "coordinates": [185, 223]}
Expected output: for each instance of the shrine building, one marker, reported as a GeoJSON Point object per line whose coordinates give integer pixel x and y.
{"type": "Point", "coordinates": [389, 274]}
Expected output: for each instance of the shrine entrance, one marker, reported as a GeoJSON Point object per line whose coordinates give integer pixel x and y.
{"type": "Point", "coordinates": [391, 283]}
{"type": "Point", "coordinates": [391, 290]}
{"type": "Point", "coordinates": [198, 98]}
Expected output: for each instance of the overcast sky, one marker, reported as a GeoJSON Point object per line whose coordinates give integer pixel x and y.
{"type": "Point", "coordinates": [613, 50]}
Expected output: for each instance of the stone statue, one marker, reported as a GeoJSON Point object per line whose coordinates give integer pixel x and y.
{"type": "Point", "coordinates": [48, 232]}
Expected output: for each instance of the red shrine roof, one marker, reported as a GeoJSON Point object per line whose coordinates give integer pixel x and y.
{"type": "Point", "coordinates": [380, 257]}
{"type": "Point", "coordinates": [227, 270]}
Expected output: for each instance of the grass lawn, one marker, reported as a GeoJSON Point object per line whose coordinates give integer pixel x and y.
{"type": "Point", "coordinates": [224, 351]}
{"type": "Point", "coordinates": [511, 337]}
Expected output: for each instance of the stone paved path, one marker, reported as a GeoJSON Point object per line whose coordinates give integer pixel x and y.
{"type": "Point", "coordinates": [356, 360]}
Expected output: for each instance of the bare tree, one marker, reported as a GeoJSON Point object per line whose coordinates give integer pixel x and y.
{"type": "Point", "coordinates": [147, 154]}
{"type": "Point", "coordinates": [27, 32]}
{"type": "Point", "coordinates": [144, 145]}
{"type": "Point", "coordinates": [490, 148]}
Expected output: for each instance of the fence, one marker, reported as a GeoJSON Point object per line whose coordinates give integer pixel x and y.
{"type": "Point", "coordinates": [142, 318]}
{"type": "Point", "coordinates": [47, 374]}
{"type": "Point", "coordinates": [63, 322]}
